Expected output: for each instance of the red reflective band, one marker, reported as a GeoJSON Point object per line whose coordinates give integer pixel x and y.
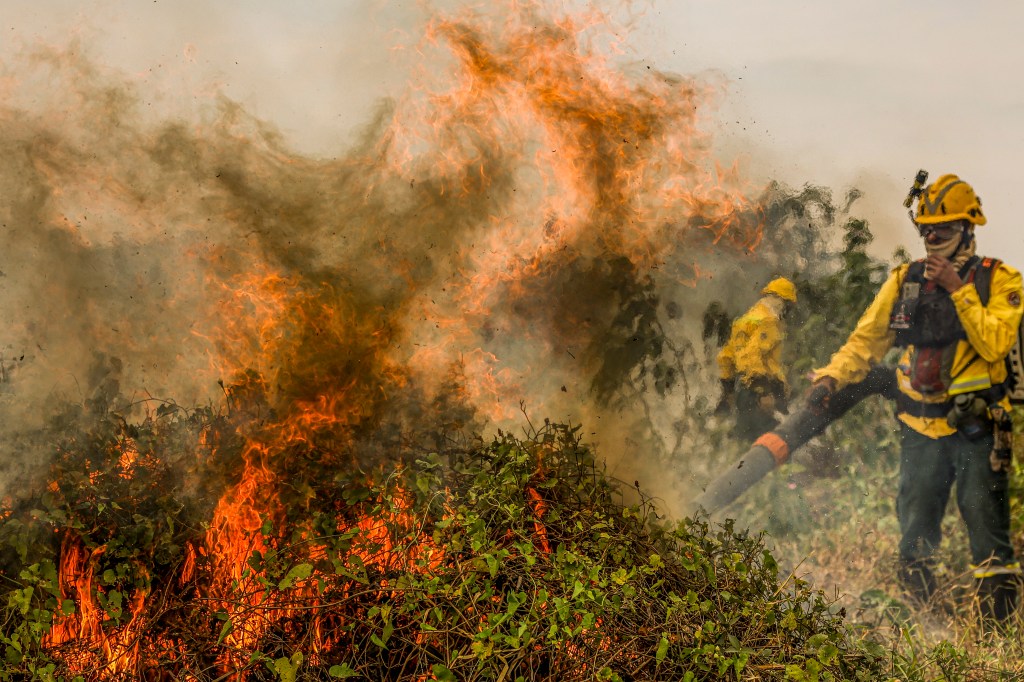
{"type": "Point", "coordinates": [775, 445]}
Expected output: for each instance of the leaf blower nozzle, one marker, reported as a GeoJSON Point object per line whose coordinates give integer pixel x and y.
{"type": "Point", "coordinates": [774, 448]}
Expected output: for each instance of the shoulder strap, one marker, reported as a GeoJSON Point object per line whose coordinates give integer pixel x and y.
{"type": "Point", "coordinates": [983, 277]}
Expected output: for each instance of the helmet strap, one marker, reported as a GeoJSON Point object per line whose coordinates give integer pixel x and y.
{"type": "Point", "coordinates": [966, 237]}
{"type": "Point", "coordinates": [966, 250]}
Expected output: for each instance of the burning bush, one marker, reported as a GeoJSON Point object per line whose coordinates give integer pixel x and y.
{"type": "Point", "coordinates": [516, 558]}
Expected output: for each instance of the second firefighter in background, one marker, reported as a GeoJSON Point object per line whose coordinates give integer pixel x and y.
{"type": "Point", "coordinates": [750, 363]}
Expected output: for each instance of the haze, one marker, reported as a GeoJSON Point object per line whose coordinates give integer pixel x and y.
{"type": "Point", "coordinates": [827, 93]}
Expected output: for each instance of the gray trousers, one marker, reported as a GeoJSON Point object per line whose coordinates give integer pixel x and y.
{"type": "Point", "coordinates": [928, 469]}
{"type": "Point", "coordinates": [752, 420]}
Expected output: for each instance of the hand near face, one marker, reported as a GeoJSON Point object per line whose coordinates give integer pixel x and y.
{"type": "Point", "coordinates": [941, 271]}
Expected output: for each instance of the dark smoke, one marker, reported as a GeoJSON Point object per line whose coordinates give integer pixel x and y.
{"type": "Point", "coordinates": [448, 272]}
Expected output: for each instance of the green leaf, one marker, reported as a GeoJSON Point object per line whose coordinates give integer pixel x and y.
{"type": "Point", "coordinates": [21, 599]}
{"type": "Point", "coordinates": [113, 604]}
{"type": "Point", "coordinates": [492, 564]}
{"type": "Point", "coordinates": [795, 672]}
{"type": "Point", "coordinates": [828, 654]}
{"type": "Point", "coordinates": [342, 671]}
{"type": "Point", "coordinates": [662, 651]}
{"type": "Point", "coordinates": [789, 621]}
{"type": "Point", "coordinates": [816, 640]}
{"type": "Point", "coordinates": [443, 674]}
{"type": "Point", "coordinates": [299, 572]}
{"type": "Point", "coordinates": [224, 630]}
{"type": "Point", "coordinates": [287, 668]}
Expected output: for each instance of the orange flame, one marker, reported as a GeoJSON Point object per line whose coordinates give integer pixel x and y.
{"type": "Point", "coordinates": [109, 650]}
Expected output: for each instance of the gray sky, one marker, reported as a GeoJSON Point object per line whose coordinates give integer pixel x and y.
{"type": "Point", "coordinates": [868, 92]}
{"type": "Point", "coordinates": [832, 93]}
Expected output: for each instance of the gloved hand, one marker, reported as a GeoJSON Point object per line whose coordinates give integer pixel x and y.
{"type": "Point", "coordinates": [771, 394]}
{"type": "Point", "coordinates": [820, 394]}
{"type": "Point", "coordinates": [725, 403]}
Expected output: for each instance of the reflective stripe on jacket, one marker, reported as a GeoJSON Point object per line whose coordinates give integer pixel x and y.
{"type": "Point", "coordinates": [754, 349]}
{"type": "Point", "coordinates": [978, 362]}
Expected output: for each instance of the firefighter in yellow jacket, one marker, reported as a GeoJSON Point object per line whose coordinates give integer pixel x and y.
{"type": "Point", "coordinates": [954, 317]}
{"type": "Point", "coordinates": [750, 363]}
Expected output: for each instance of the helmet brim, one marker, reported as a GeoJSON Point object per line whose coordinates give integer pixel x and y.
{"type": "Point", "coordinates": [936, 219]}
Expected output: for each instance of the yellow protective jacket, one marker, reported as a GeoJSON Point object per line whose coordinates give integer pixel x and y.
{"type": "Point", "coordinates": [754, 349]}
{"type": "Point", "coordinates": [978, 361]}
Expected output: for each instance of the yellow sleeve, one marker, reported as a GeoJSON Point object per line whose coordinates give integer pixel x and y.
{"type": "Point", "coordinates": [991, 329]}
{"type": "Point", "coordinates": [768, 348]}
{"type": "Point", "coordinates": [870, 339]}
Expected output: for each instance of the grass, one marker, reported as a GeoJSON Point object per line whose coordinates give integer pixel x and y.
{"type": "Point", "coordinates": [841, 535]}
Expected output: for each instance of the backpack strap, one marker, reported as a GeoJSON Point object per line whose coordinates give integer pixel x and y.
{"type": "Point", "coordinates": [983, 278]}
{"type": "Point", "coordinates": [979, 272]}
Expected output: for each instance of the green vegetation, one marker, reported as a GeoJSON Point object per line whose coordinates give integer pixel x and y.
{"type": "Point", "coordinates": [512, 559]}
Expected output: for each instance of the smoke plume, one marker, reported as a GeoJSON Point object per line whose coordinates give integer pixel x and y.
{"type": "Point", "coordinates": [535, 232]}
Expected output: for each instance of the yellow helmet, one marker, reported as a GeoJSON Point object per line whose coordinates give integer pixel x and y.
{"type": "Point", "coordinates": [781, 287]}
{"type": "Point", "coordinates": [949, 198]}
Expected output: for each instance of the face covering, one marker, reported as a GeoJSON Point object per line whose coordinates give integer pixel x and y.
{"type": "Point", "coordinates": [951, 248]}
{"type": "Point", "coordinates": [946, 248]}
{"type": "Point", "coordinates": [776, 305]}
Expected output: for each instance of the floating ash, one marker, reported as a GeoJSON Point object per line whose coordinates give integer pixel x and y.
{"type": "Point", "coordinates": [336, 334]}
